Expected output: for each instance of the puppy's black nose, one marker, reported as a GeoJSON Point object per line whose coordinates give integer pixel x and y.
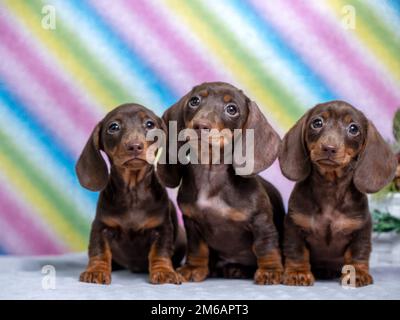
{"type": "Point", "coordinates": [199, 125]}
{"type": "Point", "coordinates": [134, 147]}
{"type": "Point", "coordinates": [329, 149]}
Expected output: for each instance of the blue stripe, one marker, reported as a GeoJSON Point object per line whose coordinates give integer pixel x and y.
{"type": "Point", "coordinates": [292, 59]}
{"type": "Point", "coordinates": [2, 251]}
{"type": "Point", "coordinates": [128, 55]}
{"type": "Point", "coordinates": [39, 131]}
{"type": "Point", "coordinates": [395, 5]}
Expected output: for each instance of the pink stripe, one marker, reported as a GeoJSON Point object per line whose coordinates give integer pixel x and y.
{"type": "Point", "coordinates": [48, 78]}
{"type": "Point", "coordinates": [39, 241]}
{"type": "Point", "coordinates": [193, 63]}
{"type": "Point", "coordinates": [334, 40]}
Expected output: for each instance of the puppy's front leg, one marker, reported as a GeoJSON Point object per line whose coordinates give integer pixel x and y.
{"type": "Point", "coordinates": [99, 266]}
{"type": "Point", "coordinates": [297, 257]}
{"type": "Point", "coordinates": [196, 265]}
{"type": "Point", "coordinates": [266, 249]}
{"type": "Point", "coordinates": [357, 255]}
{"type": "Point", "coordinates": [160, 264]}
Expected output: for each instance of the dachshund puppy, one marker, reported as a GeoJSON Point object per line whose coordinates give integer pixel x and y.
{"type": "Point", "coordinates": [231, 221]}
{"type": "Point", "coordinates": [336, 156]}
{"type": "Point", "coordinates": [136, 224]}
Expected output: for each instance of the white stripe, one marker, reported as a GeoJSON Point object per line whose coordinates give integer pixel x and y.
{"type": "Point", "coordinates": [386, 16]}
{"type": "Point", "coordinates": [96, 45]}
{"type": "Point", "coordinates": [80, 93]}
{"type": "Point", "coordinates": [136, 34]}
{"type": "Point", "coordinates": [336, 75]}
{"type": "Point", "coordinates": [36, 154]}
{"type": "Point", "coordinates": [267, 56]}
{"type": "Point", "coordinates": [32, 215]}
{"type": "Point", "coordinates": [40, 104]}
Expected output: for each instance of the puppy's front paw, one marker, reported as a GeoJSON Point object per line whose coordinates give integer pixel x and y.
{"type": "Point", "coordinates": [165, 276]}
{"type": "Point", "coordinates": [268, 276]}
{"type": "Point", "coordinates": [363, 278]}
{"type": "Point", "coordinates": [99, 277]}
{"type": "Point", "coordinates": [191, 273]}
{"type": "Point", "coordinates": [298, 278]}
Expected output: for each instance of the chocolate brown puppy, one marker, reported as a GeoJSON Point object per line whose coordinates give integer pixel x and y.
{"type": "Point", "coordinates": [135, 224]}
{"type": "Point", "coordinates": [231, 220]}
{"type": "Point", "coordinates": [336, 156]}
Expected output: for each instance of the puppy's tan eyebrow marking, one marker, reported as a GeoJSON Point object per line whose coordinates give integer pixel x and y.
{"type": "Point", "coordinates": [142, 115]}
{"type": "Point", "coordinates": [348, 118]}
{"type": "Point", "coordinates": [227, 98]}
{"type": "Point", "coordinates": [203, 93]}
{"type": "Point", "coordinates": [325, 114]}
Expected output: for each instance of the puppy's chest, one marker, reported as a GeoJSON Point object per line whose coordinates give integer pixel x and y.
{"type": "Point", "coordinates": [210, 207]}
{"type": "Point", "coordinates": [132, 220]}
{"type": "Point", "coordinates": [327, 224]}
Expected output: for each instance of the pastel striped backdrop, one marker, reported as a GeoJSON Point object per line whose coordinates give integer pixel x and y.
{"type": "Point", "coordinates": [56, 84]}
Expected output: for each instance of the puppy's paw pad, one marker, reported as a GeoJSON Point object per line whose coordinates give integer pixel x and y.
{"type": "Point", "coordinates": [266, 276]}
{"type": "Point", "coordinates": [99, 277]}
{"type": "Point", "coordinates": [195, 274]}
{"type": "Point", "coordinates": [165, 276]}
{"type": "Point", "coordinates": [298, 278]}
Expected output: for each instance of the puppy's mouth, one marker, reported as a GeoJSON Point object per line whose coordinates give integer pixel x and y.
{"type": "Point", "coordinates": [134, 162]}
{"type": "Point", "coordinates": [327, 162]}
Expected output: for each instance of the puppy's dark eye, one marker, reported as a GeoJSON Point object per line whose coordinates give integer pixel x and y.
{"type": "Point", "coordinates": [194, 102]}
{"type": "Point", "coordinates": [231, 109]}
{"type": "Point", "coordinates": [113, 127]}
{"type": "Point", "coordinates": [149, 124]}
{"type": "Point", "coordinates": [353, 129]}
{"type": "Point", "coordinates": [317, 123]}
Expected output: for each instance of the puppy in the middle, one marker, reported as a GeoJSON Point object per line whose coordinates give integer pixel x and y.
{"type": "Point", "coordinates": [232, 221]}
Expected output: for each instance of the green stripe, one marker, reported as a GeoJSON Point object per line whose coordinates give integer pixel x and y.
{"type": "Point", "coordinates": [65, 208]}
{"type": "Point", "coordinates": [377, 28]}
{"type": "Point", "coordinates": [86, 60]}
{"type": "Point", "coordinates": [279, 93]}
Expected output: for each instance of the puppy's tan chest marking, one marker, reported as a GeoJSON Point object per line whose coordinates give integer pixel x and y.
{"type": "Point", "coordinates": [132, 220]}
{"type": "Point", "coordinates": [214, 204]}
{"type": "Point", "coordinates": [330, 219]}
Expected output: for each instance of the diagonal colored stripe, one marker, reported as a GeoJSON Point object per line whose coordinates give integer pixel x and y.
{"type": "Point", "coordinates": [264, 89]}
{"type": "Point", "coordinates": [62, 94]}
{"type": "Point", "coordinates": [162, 88]}
{"type": "Point", "coordinates": [14, 215]}
{"type": "Point", "coordinates": [332, 39]}
{"type": "Point", "coordinates": [61, 205]}
{"type": "Point", "coordinates": [122, 66]}
{"type": "Point", "coordinates": [68, 53]}
{"type": "Point", "coordinates": [301, 38]}
{"type": "Point", "coordinates": [194, 63]}
{"type": "Point", "coordinates": [41, 149]}
{"type": "Point", "coordinates": [382, 48]}
{"type": "Point", "coordinates": [306, 76]}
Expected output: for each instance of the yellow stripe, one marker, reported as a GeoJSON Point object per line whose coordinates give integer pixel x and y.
{"type": "Point", "coordinates": [29, 194]}
{"type": "Point", "coordinates": [370, 40]}
{"type": "Point", "coordinates": [62, 54]}
{"type": "Point", "coordinates": [238, 68]}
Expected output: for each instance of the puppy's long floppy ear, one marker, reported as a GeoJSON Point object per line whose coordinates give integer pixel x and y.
{"type": "Point", "coordinates": [266, 140]}
{"type": "Point", "coordinates": [377, 164]}
{"type": "Point", "coordinates": [91, 168]}
{"type": "Point", "coordinates": [169, 172]}
{"type": "Point", "coordinates": [293, 157]}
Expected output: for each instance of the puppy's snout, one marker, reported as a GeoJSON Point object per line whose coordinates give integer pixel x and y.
{"type": "Point", "coordinates": [329, 150]}
{"type": "Point", "coordinates": [202, 125]}
{"type": "Point", "coordinates": [135, 148]}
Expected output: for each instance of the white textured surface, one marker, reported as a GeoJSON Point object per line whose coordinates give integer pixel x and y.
{"type": "Point", "coordinates": [21, 278]}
